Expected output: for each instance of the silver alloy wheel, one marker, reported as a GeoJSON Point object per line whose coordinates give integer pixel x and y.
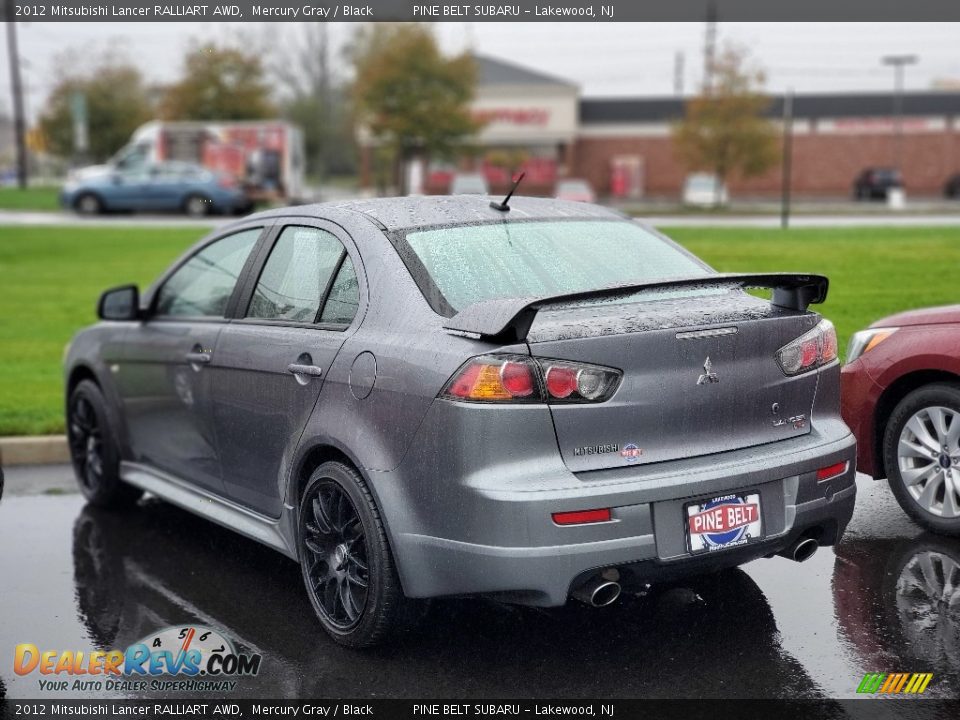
{"type": "Point", "coordinates": [89, 205]}
{"type": "Point", "coordinates": [197, 206]}
{"type": "Point", "coordinates": [928, 604]}
{"type": "Point", "coordinates": [929, 458]}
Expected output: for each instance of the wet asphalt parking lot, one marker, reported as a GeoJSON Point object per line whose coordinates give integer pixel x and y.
{"type": "Point", "coordinates": [886, 600]}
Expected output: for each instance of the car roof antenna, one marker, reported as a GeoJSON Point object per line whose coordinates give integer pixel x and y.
{"type": "Point", "coordinates": [502, 206]}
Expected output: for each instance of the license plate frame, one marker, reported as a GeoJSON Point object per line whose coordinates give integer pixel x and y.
{"type": "Point", "coordinates": [740, 518]}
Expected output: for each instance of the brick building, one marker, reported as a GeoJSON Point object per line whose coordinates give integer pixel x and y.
{"type": "Point", "coordinates": [622, 146]}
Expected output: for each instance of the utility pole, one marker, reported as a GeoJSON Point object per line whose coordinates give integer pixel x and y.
{"type": "Point", "coordinates": [787, 162]}
{"type": "Point", "coordinates": [16, 87]}
{"type": "Point", "coordinates": [679, 60]}
{"type": "Point", "coordinates": [709, 46]}
{"type": "Point", "coordinates": [898, 63]}
{"type": "Point", "coordinates": [325, 114]}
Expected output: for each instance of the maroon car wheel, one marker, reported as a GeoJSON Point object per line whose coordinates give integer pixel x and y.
{"type": "Point", "coordinates": [922, 456]}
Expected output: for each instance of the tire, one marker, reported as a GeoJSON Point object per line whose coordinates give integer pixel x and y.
{"type": "Point", "coordinates": [342, 544]}
{"type": "Point", "coordinates": [88, 204]}
{"type": "Point", "coordinates": [94, 451]}
{"type": "Point", "coordinates": [196, 206]}
{"type": "Point", "coordinates": [934, 467]}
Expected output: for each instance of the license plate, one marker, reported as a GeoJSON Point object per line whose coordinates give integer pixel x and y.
{"type": "Point", "coordinates": [723, 522]}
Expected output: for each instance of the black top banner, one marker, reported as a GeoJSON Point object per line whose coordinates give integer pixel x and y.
{"type": "Point", "coordinates": [516, 11]}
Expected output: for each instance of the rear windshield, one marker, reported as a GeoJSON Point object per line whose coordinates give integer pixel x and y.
{"type": "Point", "coordinates": [469, 263]}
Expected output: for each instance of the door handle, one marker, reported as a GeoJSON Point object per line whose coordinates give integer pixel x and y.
{"type": "Point", "coordinates": [197, 357]}
{"type": "Point", "coordinates": [299, 369]}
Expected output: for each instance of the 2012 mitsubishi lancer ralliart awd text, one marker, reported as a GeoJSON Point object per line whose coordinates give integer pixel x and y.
{"type": "Point", "coordinates": [424, 397]}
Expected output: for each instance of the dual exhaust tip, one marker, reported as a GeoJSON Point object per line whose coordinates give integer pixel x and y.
{"type": "Point", "coordinates": [600, 591]}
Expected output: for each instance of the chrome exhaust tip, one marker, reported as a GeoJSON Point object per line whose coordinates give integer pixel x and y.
{"type": "Point", "coordinates": [804, 549]}
{"type": "Point", "coordinates": [598, 592]}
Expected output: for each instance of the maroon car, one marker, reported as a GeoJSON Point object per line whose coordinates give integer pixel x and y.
{"type": "Point", "coordinates": [901, 397]}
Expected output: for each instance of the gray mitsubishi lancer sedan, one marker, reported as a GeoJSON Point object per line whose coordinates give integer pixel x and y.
{"type": "Point", "coordinates": [423, 397]}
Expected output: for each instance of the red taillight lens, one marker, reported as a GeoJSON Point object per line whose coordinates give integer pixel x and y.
{"type": "Point", "coordinates": [582, 517]}
{"type": "Point", "coordinates": [561, 382]}
{"type": "Point", "coordinates": [227, 181]}
{"type": "Point", "coordinates": [809, 351]}
{"type": "Point", "coordinates": [831, 471]}
{"type": "Point", "coordinates": [520, 378]}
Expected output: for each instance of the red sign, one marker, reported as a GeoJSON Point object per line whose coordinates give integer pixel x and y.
{"type": "Point", "coordinates": [724, 518]}
{"type": "Point", "coordinates": [513, 116]}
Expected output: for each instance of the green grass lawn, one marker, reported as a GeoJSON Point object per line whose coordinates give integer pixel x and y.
{"type": "Point", "coordinates": [50, 279]}
{"type": "Point", "coordinates": [33, 198]}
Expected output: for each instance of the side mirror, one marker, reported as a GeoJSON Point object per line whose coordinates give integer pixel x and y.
{"type": "Point", "coordinates": [117, 178]}
{"type": "Point", "coordinates": [119, 303]}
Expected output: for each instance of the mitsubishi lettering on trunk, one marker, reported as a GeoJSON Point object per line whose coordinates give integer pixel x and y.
{"type": "Point", "coordinates": [423, 397]}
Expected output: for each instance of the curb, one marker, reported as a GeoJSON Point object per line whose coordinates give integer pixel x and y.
{"type": "Point", "coordinates": [40, 450]}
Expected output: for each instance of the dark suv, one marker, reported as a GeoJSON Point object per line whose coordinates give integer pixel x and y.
{"type": "Point", "coordinates": [876, 183]}
{"type": "Point", "coordinates": [951, 188]}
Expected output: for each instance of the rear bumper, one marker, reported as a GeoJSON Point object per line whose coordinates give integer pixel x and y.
{"type": "Point", "coordinates": [492, 533]}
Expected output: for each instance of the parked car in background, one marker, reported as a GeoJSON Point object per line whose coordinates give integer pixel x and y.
{"type": "Point", "coordinates": [876, 183]}
{"type": "Point", "coordinates": [704, 190]}
{"type": "Point", "coordinates": [575, 190]}
{"type": "Point", "coordinates": [901, 397]}
{"type": "Point", "coordinates": [469, 184]}
{"type": "Point", "coordinates": [165, 187]}
{"type": "Point", "coordinates": [952, 187]}
{"type": "Point", "coordinates": [432, 396]}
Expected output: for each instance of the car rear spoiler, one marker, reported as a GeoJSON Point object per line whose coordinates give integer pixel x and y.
{"type": "Point", "coordinates": [509, 319]}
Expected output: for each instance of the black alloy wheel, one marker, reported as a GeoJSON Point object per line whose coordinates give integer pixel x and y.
{"type": "Point", "coordinates": [337, 568]}
{"type": "Point", "coordinates": [86, 444]}
{"type": "Point", "coordinates": [346, 560]}
{"type": "Point", "coordinates": [93, 450]}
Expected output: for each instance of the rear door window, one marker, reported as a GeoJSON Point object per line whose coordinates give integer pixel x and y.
{"type": "Point", "coordinates": [296, 276]}
{"type": "Point", "coordinates": [344, 298]}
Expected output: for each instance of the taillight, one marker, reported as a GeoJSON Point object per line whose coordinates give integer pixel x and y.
{"type": "Point", "coordinates": [809, 351]}
{"type": "Point", "coordinates": [576, 382]}
{"type": "Point", "coordinates": [227, 181]}
{"type": "Point", "coordinates": [520, 378]}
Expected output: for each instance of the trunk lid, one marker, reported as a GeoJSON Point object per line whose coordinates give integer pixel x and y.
{"type": "Point", "coordinates": [700, 376]}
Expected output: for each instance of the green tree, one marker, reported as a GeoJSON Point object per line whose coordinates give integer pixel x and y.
{"type": "Point", "coordinates": [219, 83]}
{"type": "Point", "coordinates": [411, 99]}
{"type": "Point", "coordinates": [117, 102]}
{"type": "Point", "coordinates": [724, 130]}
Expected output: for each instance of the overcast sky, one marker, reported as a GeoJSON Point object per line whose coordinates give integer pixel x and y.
{"type": "Point", "coordinates": [605, 59]}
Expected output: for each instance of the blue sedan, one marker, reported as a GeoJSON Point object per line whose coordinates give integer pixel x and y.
{"type": "Point", "coordinates": [170, 186]}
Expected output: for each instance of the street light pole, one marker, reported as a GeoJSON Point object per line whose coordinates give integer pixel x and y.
{"type": "Point", "coordinates": [16, 87]}
{"type": "Point", "coordinates": [898, 63]}
{"type": "Point", "coordinates": [787, 161]}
